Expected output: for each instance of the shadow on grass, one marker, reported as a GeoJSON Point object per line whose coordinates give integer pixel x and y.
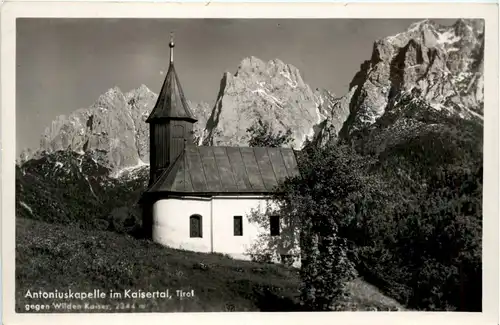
{"type": "Point", "coordinates": [397, 291]}
{"type": "Point", "coordinates": [268, 297]}
{"type": "Point", "coordinates": [268, 301]}
{"type": "Point", "coordinates": [139, 233]}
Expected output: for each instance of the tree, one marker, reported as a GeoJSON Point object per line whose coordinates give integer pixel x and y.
{"type": "Point", "coordinates": [409, 219]}
{"type": "Point", "coordinates": [325, 199]}
{"type": "Point", "coordinates": [261, 135]}
{"type": "Point", "coordinates": [267, 248]}
{"type": "Point", "coordinates": [442, 240]}
{"type": "Point", "coordinates": [425, 249]}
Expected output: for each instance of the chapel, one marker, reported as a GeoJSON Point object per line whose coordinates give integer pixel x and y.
{"type": "Point", "coordinates": [200, 198]}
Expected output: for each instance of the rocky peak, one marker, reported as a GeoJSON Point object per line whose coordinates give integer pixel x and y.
{"type": "Point", "coordinates": [427, 67]}
{"type": "Point", "coordinates": [272, 91]}
{"type": "Point", "coordinates": [334, 112]}
{"type": "Point", "coordinates": [140, 94]}
{"type": "Point", "coordinates": [110, 99]}
{"type": "Point", "coordinates": [440, 64]}
{"type": "Point", "coordinates": [201, 110]}
{"type": "Point", "coordinates": [274, 69]}
{"type": "Point", "coordinates": [112, 130]}
{"type": "Point", "coordinates": [249, 65]}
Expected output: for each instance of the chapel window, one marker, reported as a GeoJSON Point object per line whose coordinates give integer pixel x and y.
{"type": "Point", "coordinates": [178, 131]}
{"type": "Point", "coordinates": [195, 226]}
{"type": "Point", "coordinates": [274, 223]}
{"type": "Point", "coordinates": [238, 225]}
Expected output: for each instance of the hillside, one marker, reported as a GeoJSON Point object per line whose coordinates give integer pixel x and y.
{"type": "Point", "coordinates": [67, 188]}
{"type": "Point", "coordinates": [50, 256]}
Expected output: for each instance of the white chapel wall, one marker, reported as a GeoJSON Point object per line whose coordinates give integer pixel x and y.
{"type": "Point", "coordinates": [171, 224]}
{"type": "Point", "coordinates": [224, 210]}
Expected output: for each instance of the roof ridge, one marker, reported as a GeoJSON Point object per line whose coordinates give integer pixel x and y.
{"type": "Point", "coordinates": [284, 163]}
{"type": "Point", "coordinates": [239, 162]}
{"type": "Point", "coordinates": [271, 163]}
{"type": "Point", "coordinates": [231, 167]}
{"type": "Point", "coordinates": [258, 166]}
{"type": "Point", "coordinates": [185, 104]}
{"type": "Point", "coordinates": [217, 167]}
{"type": "Point", "coordinates": [166, 171]}
{"type": "Point", "coordinates": [186, 168]}
{"type": "Point", "coordinates": [245, 166]}
{"type": "Point", "coordinates": [233, 172]}
{"type": "Point", "coordinates": [171, 101]}
{"type": "Point", "coordinates": [202, 168]}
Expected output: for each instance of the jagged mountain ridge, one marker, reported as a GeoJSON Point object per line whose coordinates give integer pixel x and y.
{"type": "Point", "coordinates": [272, 91]}
{"type": "Point", "coordinates": [440, 65]}
{"type": "Point", "coordinates": [436, 65]}
{"type": "Point", "coordinates": [112, 130]}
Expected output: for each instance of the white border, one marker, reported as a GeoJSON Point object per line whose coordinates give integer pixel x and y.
{"type": "Point", "coordinates": [216, 10]}
{"type": "Point", "coordinates": [265, 1]}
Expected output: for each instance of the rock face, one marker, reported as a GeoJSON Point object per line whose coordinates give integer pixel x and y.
{"type": "Point", "coordinates": [334, 112]}
{"type": "Point", "coordinates": [272, 91]}
{"type": "Point", "coordinates": [202, 113]}
{"type": "Point", "coordinates": [439, 68]}
{"type": "Point", "coordinates": [112, 130]}
{"type": "Point", "coordinates": [441, 65]}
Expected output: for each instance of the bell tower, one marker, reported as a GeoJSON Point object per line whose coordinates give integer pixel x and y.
{"type": "Point", "coordinates": [170, 123]}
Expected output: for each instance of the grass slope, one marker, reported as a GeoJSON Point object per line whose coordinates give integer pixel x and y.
{"type": "Point", "coordinates": [54, 256]}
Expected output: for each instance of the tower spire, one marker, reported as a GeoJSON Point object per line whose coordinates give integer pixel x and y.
{"type": "Point", "coordinates": [171, 103]}
{"type": "Point", "coordinates": [170, 123]}
{"type": "Point", "coordinates": [171, 45]}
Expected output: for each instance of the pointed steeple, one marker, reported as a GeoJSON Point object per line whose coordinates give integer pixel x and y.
{"type": "Point", "coordinates": [170, 124]}
{"type": "Point", "coordinates": [171, 103]}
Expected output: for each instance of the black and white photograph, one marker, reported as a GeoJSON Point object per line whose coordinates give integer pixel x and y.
{"type": "Point", "coordinates": [169, 165]}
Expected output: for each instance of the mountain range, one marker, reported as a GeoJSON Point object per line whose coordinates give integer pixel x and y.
{"type": "Point", "coordinates": [412, 83]}
{"type": "Point", "coordinates": [440, 66]}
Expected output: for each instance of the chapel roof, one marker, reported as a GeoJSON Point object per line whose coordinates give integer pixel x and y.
{"type": "Point", "coordinates": [227, 170]}
{"type": "Point", "coordinates": [171, 102]}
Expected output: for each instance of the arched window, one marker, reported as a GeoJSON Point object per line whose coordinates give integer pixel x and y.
{"type": "Point", "coordinates": [195, 226]}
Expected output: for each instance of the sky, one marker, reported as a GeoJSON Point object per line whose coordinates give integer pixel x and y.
{"type": "Point", "coordinates": [65, 64]}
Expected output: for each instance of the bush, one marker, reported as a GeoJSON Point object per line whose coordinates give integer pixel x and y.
{"type": "Point", "coordinates": [125, 220]}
